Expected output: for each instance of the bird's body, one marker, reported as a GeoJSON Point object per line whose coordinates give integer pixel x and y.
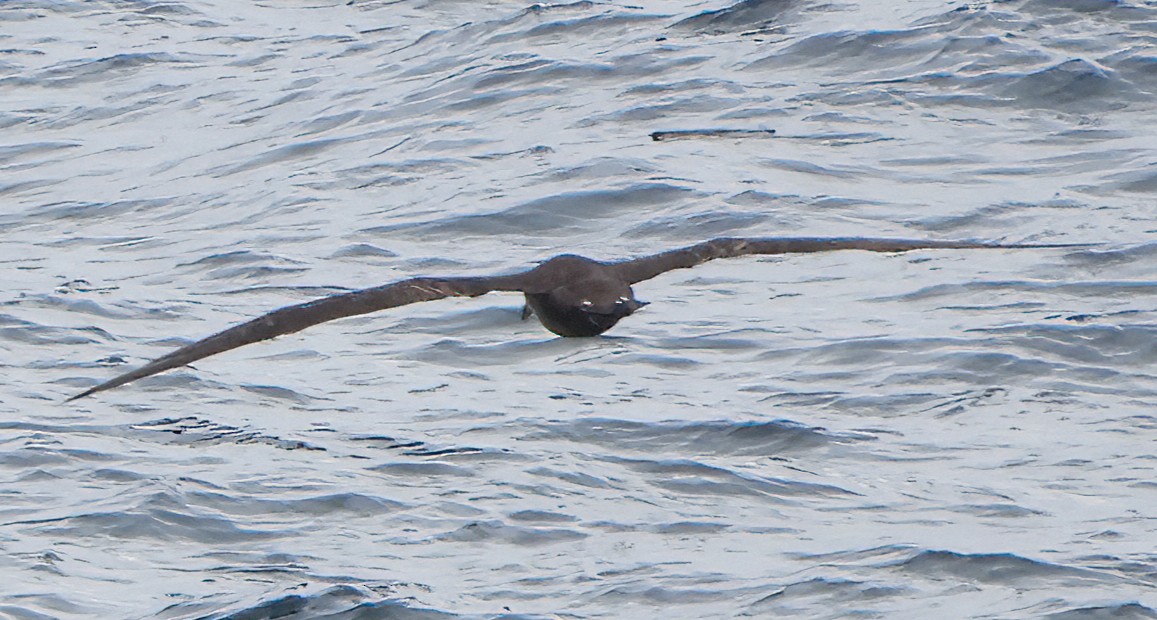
{"type": "Point", "coordinates": [571, 295]}
{"type": "Point", "coordinates": [590, 300]}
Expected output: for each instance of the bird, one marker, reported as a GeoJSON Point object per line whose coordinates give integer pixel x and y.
{"type": "Point", "coordinates": [572, 296]}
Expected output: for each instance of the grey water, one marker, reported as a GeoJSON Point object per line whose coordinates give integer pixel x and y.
{"type": "Point", "coordinates": [949, 434]}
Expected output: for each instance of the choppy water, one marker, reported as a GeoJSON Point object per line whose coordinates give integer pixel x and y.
{"type": "Point", "coordinates": [937, 434]}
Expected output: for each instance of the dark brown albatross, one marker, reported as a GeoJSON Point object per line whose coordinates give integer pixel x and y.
{"type": "Point", "coordinates": [571, 295]}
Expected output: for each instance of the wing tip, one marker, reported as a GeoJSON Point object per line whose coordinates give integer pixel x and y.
{"type": "Point", "coordinates": [88, 392]}
{"type": "Point", "coordinates": [100, 387]}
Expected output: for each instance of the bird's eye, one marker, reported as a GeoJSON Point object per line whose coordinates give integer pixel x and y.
{"type": "Point", "coordinates": [622, 300]}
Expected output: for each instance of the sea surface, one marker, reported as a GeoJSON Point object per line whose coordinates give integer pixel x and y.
{"type": "Point", "coordinates": [935, 434]}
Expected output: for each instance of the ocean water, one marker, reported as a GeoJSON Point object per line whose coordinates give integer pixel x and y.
{"type": "Point", "coordinates": [949, 434]}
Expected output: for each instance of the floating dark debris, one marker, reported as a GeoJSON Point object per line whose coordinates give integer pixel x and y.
{"type": "Point", "coordinates": [680, 134]}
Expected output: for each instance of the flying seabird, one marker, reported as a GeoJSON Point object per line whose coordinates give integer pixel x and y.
{"type": "Point", "coordinates": [571, 295]}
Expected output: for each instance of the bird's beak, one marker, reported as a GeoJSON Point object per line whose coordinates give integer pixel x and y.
{"type": "Point", "coordinates": [635, 304]}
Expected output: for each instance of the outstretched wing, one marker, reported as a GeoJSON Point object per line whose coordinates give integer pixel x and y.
{"type": "Point", "coordinates": [300, 316]}
{"type": "Point", "coordinates": [647, 267]}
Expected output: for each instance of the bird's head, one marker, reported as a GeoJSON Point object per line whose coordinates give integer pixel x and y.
{"type": "Point", "coordinates": [586, 308]}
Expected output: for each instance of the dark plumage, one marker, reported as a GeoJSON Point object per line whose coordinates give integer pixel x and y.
{"type": "Point", "coordinates": [571, 295]}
